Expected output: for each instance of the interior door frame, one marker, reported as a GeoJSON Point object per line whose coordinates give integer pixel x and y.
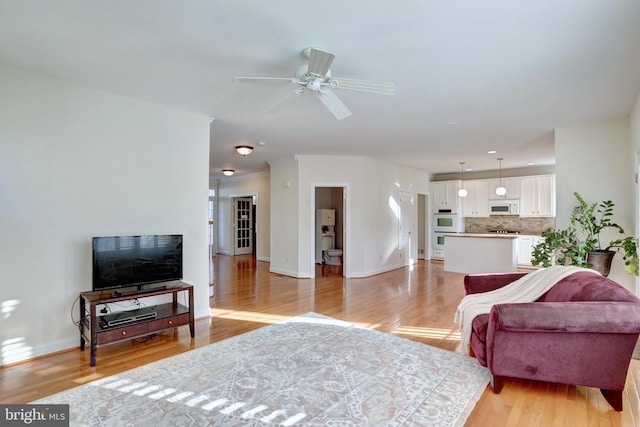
{"type": "Point", "coordinates": [248, 241]}
{"type": "Point", "coordinates": [232, 226]}
{"type": "Point", "coordinates": [346, 228]}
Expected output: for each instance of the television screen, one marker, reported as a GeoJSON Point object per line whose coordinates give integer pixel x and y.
{"type": "Point", "coordinates": [122, 261]}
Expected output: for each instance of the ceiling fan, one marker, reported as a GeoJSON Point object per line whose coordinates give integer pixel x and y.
{"type": "Point", "coordinates": [316, 77]}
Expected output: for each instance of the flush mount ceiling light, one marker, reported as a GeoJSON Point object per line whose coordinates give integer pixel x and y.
{"type": "Point", "coordinates": [244, 150]}
{"type": "Point", "coordinates": [228, 172]}
{"type": "Point", "coordinates": [501, 191]}
{"type": "Point", "coordinates": [462, 192]}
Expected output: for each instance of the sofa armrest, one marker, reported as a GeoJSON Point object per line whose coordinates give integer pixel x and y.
{"type": "Point", "coordinates": [578, 316]}
{"type": "Point", "coordinates": [587, 343]}
{"type": "Point", "coordinates": [478, 283]}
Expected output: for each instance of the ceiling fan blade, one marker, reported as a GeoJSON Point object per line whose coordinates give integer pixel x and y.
{"type": "Point", "coordinates": [263, 80]}
{"type": "Point", "coordinates": [276, 106]}
{"type": "Point", "coordinates": [379, 88]}
{"type": "Point", "coordinates": [333, 103]}
{"type": "Point", "coordinates": [320, 61]}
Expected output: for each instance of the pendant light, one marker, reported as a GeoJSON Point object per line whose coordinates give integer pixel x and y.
{"type": "Point", "coordinates": [462, 192]}
{"type": "Point", "coordinates": [501, 191]}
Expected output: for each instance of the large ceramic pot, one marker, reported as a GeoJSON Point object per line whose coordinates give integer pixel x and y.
{"type": "Point", "coordinates": [601, 261]}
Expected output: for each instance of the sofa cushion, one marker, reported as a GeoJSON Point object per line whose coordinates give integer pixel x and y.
{"type": "Point", "coordinates": [585, 286]}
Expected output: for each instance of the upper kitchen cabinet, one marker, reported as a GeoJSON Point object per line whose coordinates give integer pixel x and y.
{"type": "Point", "coordinates": [445, 195]}
{"type": "Point", "coordinates": [511, 184]}
{"type": "Point", "coordinates": [476, 204]}
{"type": "Point", "coordinates": [538, 196]}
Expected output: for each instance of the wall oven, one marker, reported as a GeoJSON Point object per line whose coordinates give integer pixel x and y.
{"type": "Point", "coordinates": [444, 223]}
{"type": "Point", "coordinates": [448, 223]}
{"type": "Point", "coordinates": [438, 241]}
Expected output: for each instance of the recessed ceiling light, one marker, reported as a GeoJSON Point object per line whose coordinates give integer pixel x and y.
{"type": "Point", "coordinates": [492, 152]}
{"type": "Point", "coordinates": [261, 143]}
{"type": "Point", "coordinates": [531, 163]}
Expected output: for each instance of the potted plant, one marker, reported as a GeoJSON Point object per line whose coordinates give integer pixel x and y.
{"type": "Point", "coordinates": [580, 243]}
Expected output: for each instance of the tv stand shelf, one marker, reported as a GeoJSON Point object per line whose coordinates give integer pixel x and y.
{"type": "Point", "coordinates": [168, 315]}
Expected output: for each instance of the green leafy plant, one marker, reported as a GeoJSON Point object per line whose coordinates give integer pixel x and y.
{"type": "Point", "coordinates": [570, 246]}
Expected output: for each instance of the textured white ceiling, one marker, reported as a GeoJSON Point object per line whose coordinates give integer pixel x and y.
{"type": "Point", "coordinates": [470, 76]}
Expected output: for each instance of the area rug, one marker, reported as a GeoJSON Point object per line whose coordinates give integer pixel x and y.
{"type": "Point", "coordinates": [309, 370]}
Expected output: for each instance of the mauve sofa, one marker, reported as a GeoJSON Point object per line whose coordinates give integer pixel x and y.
{"type": "Point", "coordinates": [582, 332]}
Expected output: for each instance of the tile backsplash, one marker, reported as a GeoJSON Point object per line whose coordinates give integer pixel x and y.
{"type": "Point", "coordinates": [533, 226]}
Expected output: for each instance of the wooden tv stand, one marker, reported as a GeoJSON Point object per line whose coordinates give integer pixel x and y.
{"type": "Point", "coordinates": [168, 315]}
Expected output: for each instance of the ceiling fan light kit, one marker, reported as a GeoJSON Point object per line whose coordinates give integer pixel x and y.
{"type": "Point", "coordinates": [316, 77]}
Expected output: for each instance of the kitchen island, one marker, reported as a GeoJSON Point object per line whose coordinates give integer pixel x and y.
{"type": "Point", "coordinates": [480, 253]}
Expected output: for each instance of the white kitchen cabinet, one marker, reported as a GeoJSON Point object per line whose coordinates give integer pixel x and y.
{"type": "Point", "coordinates": [476, 204]}
{"type": "Point", "coordinates": [512, 185]}
{"type": "Point", "coordinates": [445, 195]}
{"type": "Point", "coordinates": [538, 196]}
{"type": "Point", "coordinates": [525, 247]}
{"type": "Point", "coordinates": [480, 253]}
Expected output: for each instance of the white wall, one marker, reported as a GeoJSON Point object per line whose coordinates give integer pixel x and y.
{"type": "Point", "coordinates": [635, 143]}
{"type": "Point", "coordinates": [597, 161]}
{"type": "Point", "coordinates": [79, 162]}
{"type": "Point", "coordinates": [256, 184]}
{"type": "Point", "coordinates": [635, 126]}
{"type": "Point", "coordinates": [284, 218]}
{"type": "Point", "coordinates": [373, 186]}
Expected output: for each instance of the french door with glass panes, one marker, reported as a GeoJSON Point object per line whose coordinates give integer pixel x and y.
{"type": "Point", "coordinates": [243, 207]}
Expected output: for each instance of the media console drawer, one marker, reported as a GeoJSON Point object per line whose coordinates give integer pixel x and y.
{"type": "Point", "coordinates": [122, 333]}
{"type": "Point", "coordinates": [169, 322]}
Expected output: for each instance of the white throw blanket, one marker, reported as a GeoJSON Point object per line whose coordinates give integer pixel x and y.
{"type": "Point", "coordinates": [526, 289]}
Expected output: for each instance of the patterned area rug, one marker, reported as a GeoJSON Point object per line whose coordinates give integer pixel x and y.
{"type": "Point", "coordinates": [309, 370]}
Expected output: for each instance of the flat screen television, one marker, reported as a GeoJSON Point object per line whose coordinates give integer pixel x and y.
{"type": "Point", "coordinates": [128, 261]}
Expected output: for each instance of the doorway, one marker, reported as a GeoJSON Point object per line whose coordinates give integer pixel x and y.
{"type": "Point", "coordinates": [244, 225]}
{"type": "Point", "coordinates": [404, 227]}
{"type": "Point", "coordinates": [333, 197]}
{"type": "Point", "coordinates": [423, 227]}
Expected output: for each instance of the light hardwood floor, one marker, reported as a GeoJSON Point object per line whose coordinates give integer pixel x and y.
{"type": "Point", "coordinates": [417, 303]}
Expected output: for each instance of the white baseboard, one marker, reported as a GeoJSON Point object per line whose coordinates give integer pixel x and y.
{"type": "Point", "coordinates": [25, 352]}
{"type": "Point", "coordinates": [201, 313]}
{"type": "Point", "coordinates": [382, 269]}
{"type": "Point", "coordinates": [290, 273]}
